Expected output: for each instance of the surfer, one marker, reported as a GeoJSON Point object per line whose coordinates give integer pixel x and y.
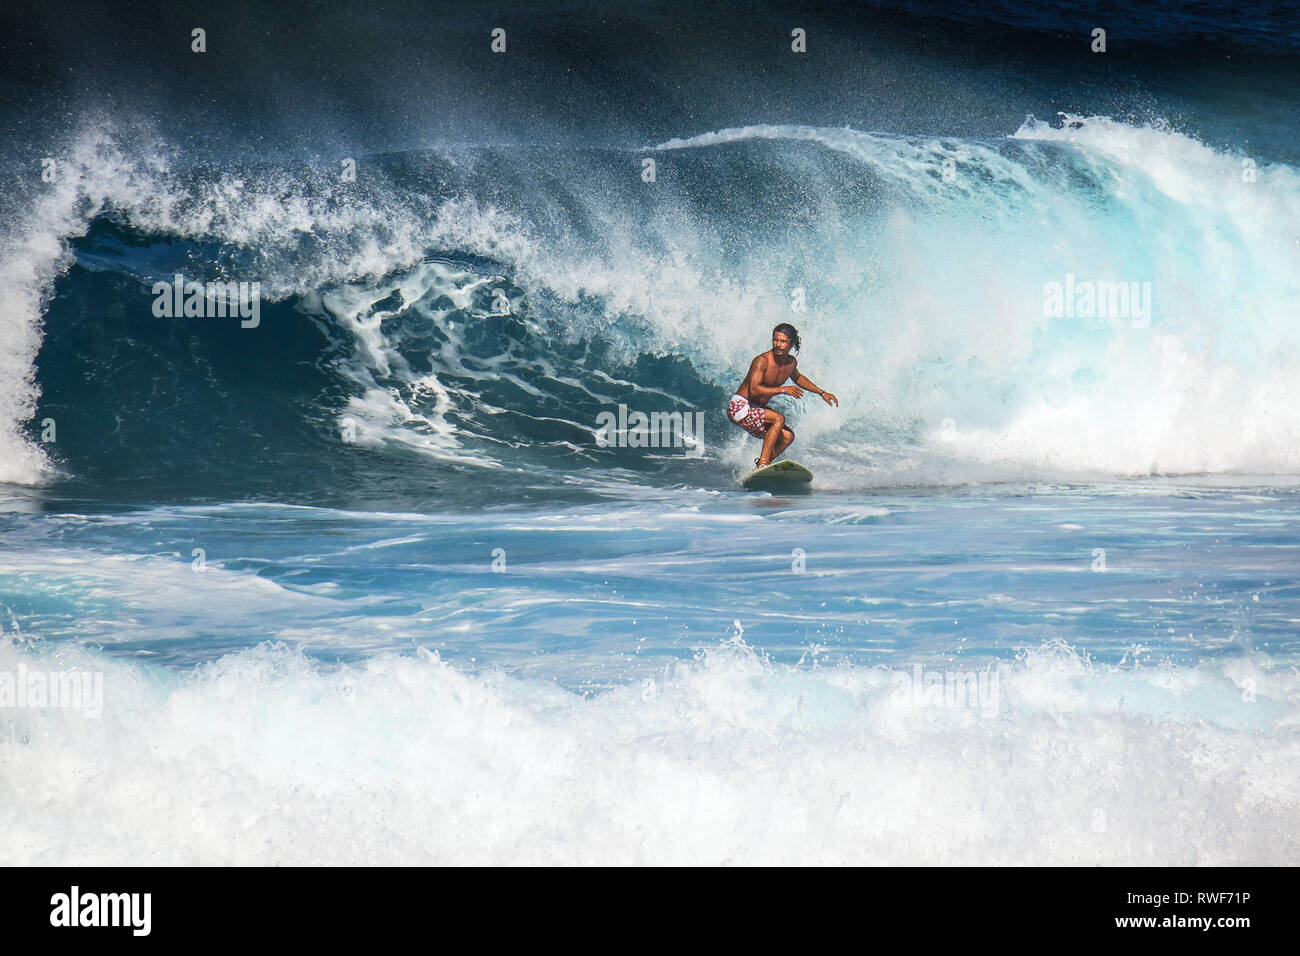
{"type": "Point", "coordinates": [767, 375]}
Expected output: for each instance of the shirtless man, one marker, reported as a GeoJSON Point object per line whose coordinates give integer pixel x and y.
{"type": "Point", "coordinates": [767, 373]}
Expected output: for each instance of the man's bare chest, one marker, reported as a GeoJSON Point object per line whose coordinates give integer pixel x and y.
{"type": "Point", "coordinates": [774, 374]}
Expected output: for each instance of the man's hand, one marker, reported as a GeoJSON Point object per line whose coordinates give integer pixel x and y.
{"type": "Point", "coordinates": [831, 399]}
{"type": "Point", "coordinates": [794, 391]}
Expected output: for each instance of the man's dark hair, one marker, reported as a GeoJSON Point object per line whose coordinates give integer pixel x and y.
{"type": "Point", "coordinates": [790, 332]}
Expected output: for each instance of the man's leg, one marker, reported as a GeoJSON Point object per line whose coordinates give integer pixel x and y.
{"type": "Point", "coordinates": [784, 442]}
{"type": "Point", "coordinates": [775, 421]}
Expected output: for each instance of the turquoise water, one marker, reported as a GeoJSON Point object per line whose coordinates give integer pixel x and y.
{"type": "Point", "coordinates": [1144, 571]}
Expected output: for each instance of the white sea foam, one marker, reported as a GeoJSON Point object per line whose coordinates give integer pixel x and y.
{"type": "Point", "coordinates": [950, 331]}
{"type": "Point", "coordinates": [266, 758]}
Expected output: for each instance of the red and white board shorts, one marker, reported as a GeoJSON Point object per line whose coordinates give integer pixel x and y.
{"type": "Point", "coordinates": [747, 416]}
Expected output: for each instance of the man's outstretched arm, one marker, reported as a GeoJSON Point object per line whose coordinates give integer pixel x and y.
{"type": "Point", "coordinates": [803, 381]}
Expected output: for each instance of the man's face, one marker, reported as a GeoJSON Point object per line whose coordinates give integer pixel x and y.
{"type": "Point", "coordinates": [780, 343]}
